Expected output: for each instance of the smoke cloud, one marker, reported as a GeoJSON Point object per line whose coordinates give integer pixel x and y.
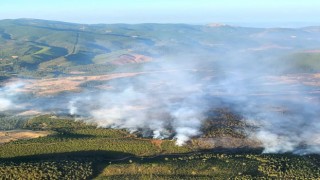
{"type": "Point", "coordinates": [161, 104]}
{"type": "Point", "coordinates": [174, 101]}
{"type": "Point", "coordinates": [283, 107]}
{"type": "Point", "coordinates": [5, 104]}
{"type": "Point", "coordinates": [8, 96]}
{"type": "Point", "coordinates": [170, 98]}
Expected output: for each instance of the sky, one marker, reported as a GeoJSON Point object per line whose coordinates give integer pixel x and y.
{"type": "Point", "coordinates": [242, 12]}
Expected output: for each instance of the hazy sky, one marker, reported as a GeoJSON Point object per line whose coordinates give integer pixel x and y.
{"type": "Point", "coordinates": [165, 11]}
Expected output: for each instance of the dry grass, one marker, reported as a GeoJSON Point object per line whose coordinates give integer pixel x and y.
{"type": "Point", "coordinates": [52, 86]}
{"type": "Point", "coordinates": [57, 85]}
{"type": "Point", "coordinates": [14, 135]}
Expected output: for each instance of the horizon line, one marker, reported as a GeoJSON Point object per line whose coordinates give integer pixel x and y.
{"type": "Point", "coordinates": [267, 24]}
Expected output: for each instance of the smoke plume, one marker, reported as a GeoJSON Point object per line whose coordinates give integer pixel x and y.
{"type": "Point", "coordinates": [170, 98]}
{"type": "Point", "coordinates": [8, 96]}
{"type": "Point", "coordinates": [160, 104]}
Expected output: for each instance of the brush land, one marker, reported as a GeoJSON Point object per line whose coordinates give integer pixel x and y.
{"type": "Point", "coordinates": [56, 58]}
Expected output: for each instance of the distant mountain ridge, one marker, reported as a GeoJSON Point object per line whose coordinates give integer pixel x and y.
{"type": "Point", "coordinates": [33, 47]}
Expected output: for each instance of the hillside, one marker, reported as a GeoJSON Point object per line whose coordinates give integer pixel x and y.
{"type": "Point", "coordinates": [37, 48]}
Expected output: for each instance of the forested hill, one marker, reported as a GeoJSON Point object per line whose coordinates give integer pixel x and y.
{"type": "Point", "coordinates": [38, 48]}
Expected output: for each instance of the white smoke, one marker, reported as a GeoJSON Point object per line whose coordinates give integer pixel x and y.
{"type": "Point", "coordinates": [286, 117]}
{"type": "Point", "coordinates": [273, 142]}
{"type": "Point", "coordinates": [161, 104]}
{"type": "Point", "coordinates": [170, 98]}
{"type": "Point", "coordinates": [172, 102]}
{"type": "Point", "coordinates": [5, 104]}
{"type": "Point", "coordinates": [72, 107]}
{"type": "Point", "coordinates": [8, 94]}
{"type": "Point", "coordinates": [187, 122]}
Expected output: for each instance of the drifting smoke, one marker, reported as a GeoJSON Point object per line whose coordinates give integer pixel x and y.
{"type": "Point", "coordinates": [171, 100]}
{"type": "Point", "coordinates": [285, 112]}
{"type": "Point", "coordinates": [5, 104]}
{"type": "Point", "coordinates": [174, 103]}
{"type": "Point", "coordinates": [8, 95]}
{"type": "Point", "coordinates": [160, 104]}
{"type": "Point", "coordinates": [297, 131]}
{"type": "Point", "coordinates": [72, 107]}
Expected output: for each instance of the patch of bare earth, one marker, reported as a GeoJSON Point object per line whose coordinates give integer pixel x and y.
{"type": "Point", "coordinates": [14, 135]}
{"type": "Point", "coordinates": [30, 113]}
{"type": "Point", "coordinates": [131, 59]}
{"type": "Point", "coordinates": [157, 142]}
{"type": "Point", "coordinates": [52, 86]}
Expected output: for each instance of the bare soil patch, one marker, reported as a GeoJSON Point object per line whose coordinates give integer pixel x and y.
{"type": "Point", "coordinates": [14, 135]}
{"type": "Point", "coordinates": [52, 86]}
{"type": "Point", "coordinates": [131, 59]}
